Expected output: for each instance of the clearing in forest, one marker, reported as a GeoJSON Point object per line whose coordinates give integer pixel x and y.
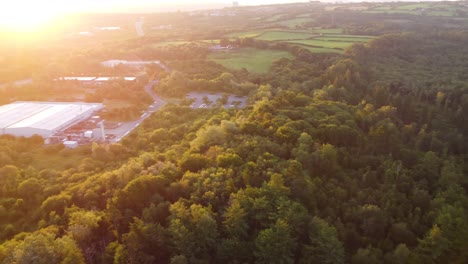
{"type": "Point", "coordinates": [253, 60]}
{"type": "Point", "coordinates": [283, 35]}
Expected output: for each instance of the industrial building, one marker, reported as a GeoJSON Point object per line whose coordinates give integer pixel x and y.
{"type": "Point", "coordinates": [43, 118]}
{"type": "Point", "coordinates": [114, 63]}
{"type": "Point", "coordinates": [94, 80]}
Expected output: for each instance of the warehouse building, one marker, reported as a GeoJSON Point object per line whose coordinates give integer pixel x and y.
{"type": "Point", "coordinates": [43, 118]}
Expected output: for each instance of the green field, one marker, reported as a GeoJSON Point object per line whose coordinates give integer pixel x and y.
{"type": "Point", "coordinates": [318, 40]}
{"type": "Point", "coordinates": [383, 8]}
{"type": "Point", "coordinates": [323, 44]}
{"type": "Point", "coordinates": [413, 6]}
{"type": "Point", "coordinates": [321, 50]}
{"type": "Point", "coordinates": [328, 30]}
{"type": "Point", "coordinates": [283, 35]}
{"type": "Point", "coordinates": [295, 22]}
{"type": "Point", "coordinates": [210, 41]}
{"type": "Point", "coordinates": [248, 34]}
{"type": "Point", "coordinates": [254, 60]}
{"type": "Point", "coordinates": [170, 43]}
{"type": "Point", "coordinates": [275, 18]}
{"type": "Point", "coordinates": [345, 38]}
{"type": "Point", "coordinates": [441, 13]}
{"type": "Point", "coordinates": [409, 12]}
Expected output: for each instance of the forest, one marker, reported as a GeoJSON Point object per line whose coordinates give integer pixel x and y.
{"type": "Point", "coordinates": [352, 157]}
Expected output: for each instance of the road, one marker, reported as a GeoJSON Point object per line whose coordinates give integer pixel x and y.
{"type": "Point", "coordinates": [126, 127]}
{"type": "Point", "coordinates": [157, 101]}
{"type": "Point", "coordinates": [139, 27]}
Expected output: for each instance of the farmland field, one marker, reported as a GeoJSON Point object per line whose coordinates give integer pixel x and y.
{"type": "Point", "coordinates": [283, 35]}
{"type": "Point", "coordinates": [413, 6]}
{"type": "Point", "coordinates": [295, 22]}
{"type": "Point", "coordinates": [324, 44]}
{"type": "Point", "coordinates": [410, 12]}
{"type": "Point", "coordinates": [328, 31]}
{"type": "Point", "coordinates": [248, 34]}
{"type": "Point", "coordinates": [344, 38]}
{"type": "Point", "coordinates": [170, 43]}
{"type": "Point", "coordinates": [440, 13]}
{"type": "Point", "coordinates": [254, 60]}
{"type": "Point", "coordinates": [317, 40]}
{"type": "Point", "coordinates": [275, 18]}
{"type": "Point", "coordinates": [321, 50]}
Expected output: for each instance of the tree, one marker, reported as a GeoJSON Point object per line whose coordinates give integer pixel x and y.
{"type": "Point", "coordinates": [83, 224]}
{"type": "Point", "coordinates": [275, 244]}
{"type": "Point", "coordinates": [144, 243]}
{"type": "Point", "coordinates": [324, 246]}
{"type": "Point", "coordinates": [9, 175]}
{"type": "Point", "coordinates": [207, 137]}
{"type": "Point", "coordinates": [431, 249]}
{"type": "Point", "coordinates": [42, 247]}
{"type": "Point", "coordinates": [193, 230]}
{"type": "Point", "coordinates": [369, 255]}
{"type": "Point", "coordinates": [399, 256]}
{"type": "Point", "coordinates": [193, 162]}
{"type": "Point", "coordinates": [30, 188]}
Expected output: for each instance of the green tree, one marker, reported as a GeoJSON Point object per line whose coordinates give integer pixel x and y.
{"type": "Point", "coordinates": [144, 243]}
{"type": "Point", "coordinates": [275, 244]}
{"type": "Point", "coordinates": [324, 246]}
{"type": "Point", "coordinates": [193, 231]}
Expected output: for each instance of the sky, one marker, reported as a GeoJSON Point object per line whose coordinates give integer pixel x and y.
{"type": "Point", "coordinates": [22, 15]}
{"type": "Point", "coordinates": [131, 5]}
{"type": "Point", "coordinates": [141, 6]}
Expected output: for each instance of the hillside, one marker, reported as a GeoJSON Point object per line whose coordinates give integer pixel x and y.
{"type": "Point", "coordinates": [355, 156]}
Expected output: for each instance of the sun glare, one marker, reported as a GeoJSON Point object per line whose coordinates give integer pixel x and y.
{"type": "Point", "coordinates": [27, 16]}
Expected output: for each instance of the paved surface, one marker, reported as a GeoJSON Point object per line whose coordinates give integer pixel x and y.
{"type": "Point", "coordinates": [139, 27]}
{"type": "Point", "coordinates": [126, 127]}
{"type": "Point", "coordinates": [199, 102]}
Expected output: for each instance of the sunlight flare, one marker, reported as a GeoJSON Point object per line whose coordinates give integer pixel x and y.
{"type": "Point", "coordinates": [27, 16]}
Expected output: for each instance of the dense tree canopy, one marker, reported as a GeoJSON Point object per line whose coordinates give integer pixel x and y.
{"type": "Point", "coordinates": [353, 158]}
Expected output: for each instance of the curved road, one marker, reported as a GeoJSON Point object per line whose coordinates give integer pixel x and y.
{"type": "Point", "coordinates": [125, 128]}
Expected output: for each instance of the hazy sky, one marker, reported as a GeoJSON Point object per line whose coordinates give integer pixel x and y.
{"type": "Point", "coordinates": [134, 5]}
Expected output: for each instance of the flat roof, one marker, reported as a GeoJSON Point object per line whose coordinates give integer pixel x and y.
{"type": "Point", "coordinates": [97, 79]}
{"type": "Point", "coordinates": [76, 78]}
{"type": "Point", "coordinates": [113, 63]}
{"type": "Point", "coordinates": [103, 79]}
{"type": "Point", "coordinates": [43, 115]}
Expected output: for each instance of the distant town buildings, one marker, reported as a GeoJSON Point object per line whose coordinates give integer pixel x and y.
{"type": "Point", "coordinates": [235, 4]}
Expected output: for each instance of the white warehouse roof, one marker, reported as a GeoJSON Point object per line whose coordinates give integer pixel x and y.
{"type": "Point", "coordinates": [82, 79]}
{"type": "Point", "coordinates": [95, 79]}
{"type": "Point", "coordinates": [42, 118]}
{"type": "Point", "coordinates": [113, 63]}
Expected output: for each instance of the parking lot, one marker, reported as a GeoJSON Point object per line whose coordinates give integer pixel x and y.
{"type": "Point", "coordinates": [211, 100]}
